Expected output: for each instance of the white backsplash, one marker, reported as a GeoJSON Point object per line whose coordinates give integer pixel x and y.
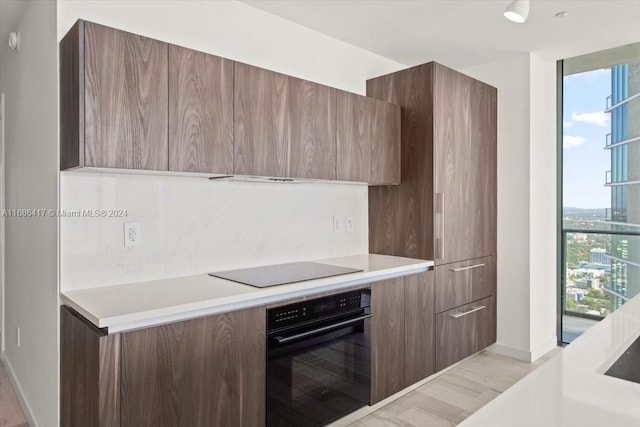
{"type": "Point", "coordinates": [193, 225]}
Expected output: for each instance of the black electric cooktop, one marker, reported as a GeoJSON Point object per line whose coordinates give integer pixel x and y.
{"type": "Point", "coordinates": [282, 274]}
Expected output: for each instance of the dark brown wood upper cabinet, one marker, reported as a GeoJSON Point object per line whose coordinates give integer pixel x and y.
{"type": "Point", "coordinates": [283, 126]}
{"type": "Point", "coordinates": [125, 100]}
{"type": "Point", "coordinates": [367, 139]}
{"type": "Point", "coordinates": [132, 102]}
{"type": "Point", "coordinates": [200, 112]}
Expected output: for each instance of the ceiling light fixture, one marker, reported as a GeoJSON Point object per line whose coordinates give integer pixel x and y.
{"type": "Point", "coordinates": [518, 11]}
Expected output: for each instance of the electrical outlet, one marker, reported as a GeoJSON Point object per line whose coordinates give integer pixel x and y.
{"type": "Point", "coordinates": [18, 336]}
{"type": "Point", "coordinates": [338, 224]}
{"type": "Point", "coordinates": [348, 224]}
{"type": "Point", "coordinates": [132, 234]}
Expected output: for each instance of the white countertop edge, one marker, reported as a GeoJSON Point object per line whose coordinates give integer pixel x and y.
{"type": "Point", "coordinates": [178, 313]}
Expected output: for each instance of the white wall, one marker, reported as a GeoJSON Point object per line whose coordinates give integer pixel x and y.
{"type": "Point", "coordinates": [29, 79]}
{"type": "Point", "coordinates": [193, 225]}
{"type": "Point", "coordinates": [526, 301]}
{"type": "Point", "coordinates": [543, 279]}
{"type": "Point", "coordinates": [237, 31]}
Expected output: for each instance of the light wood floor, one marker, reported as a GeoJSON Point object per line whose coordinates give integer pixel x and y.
{"type": "Point", "coordinates": [10, 411]}
{"type": "Point", "coordinates": [453, 396]}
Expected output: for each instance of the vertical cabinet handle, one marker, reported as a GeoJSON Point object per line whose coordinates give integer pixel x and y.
{"type": "Point", "coordinates": [439, 208]}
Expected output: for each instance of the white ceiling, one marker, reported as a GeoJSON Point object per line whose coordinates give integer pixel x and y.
{"type": "Point", "coordinates": [461, 33]}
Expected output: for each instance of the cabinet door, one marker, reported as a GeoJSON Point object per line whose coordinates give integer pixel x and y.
{"type": "Point", "coordinates": [202, 372]}
{"type": "Point", "coordinates": [367, 139]}
{"type": "Point", "coordinates": [483, 132]}
{"type": "Point", "coordinates": [463, 331]}
{"type": "Point", "coordinates": [311, 112]}
{"type": "Point", "coordinates": [89, 374]}
{"type": "Point", "coordinates": [465, 167]}
{"type": "Point", "coordinates": [455, 167]}
{"type": "Point", "coordinates": [283, 126]}
{"type": "Point", "coordinates": [200, 112]}
{"type": "Point", "coordinates": [125, 100]}
{"type": "Point", "coordinates": [387, 338]}
{"type": "Point", "coordinates": [261, 145]}
{"type": "Point", "coordinates": [419, 327]}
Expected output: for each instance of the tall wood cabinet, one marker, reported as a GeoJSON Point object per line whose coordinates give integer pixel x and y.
{"type": "Point", "coordinates": [201, 372]}
{"type": "Point", "coordinates": [445, 207]}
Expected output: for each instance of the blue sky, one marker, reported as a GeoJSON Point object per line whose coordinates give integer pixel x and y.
{"type": "Point", "coordinates": [585, 126]}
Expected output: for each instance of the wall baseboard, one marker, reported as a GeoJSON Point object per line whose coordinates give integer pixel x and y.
{"type": "Point", "coordinates": [26, 409]}
{"type": "Point", "coordinates": [528, 356]}
{"type": "Point", "coordinates": [513, 352]}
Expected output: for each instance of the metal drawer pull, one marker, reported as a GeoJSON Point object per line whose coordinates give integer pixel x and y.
{"type": "Point", "coordinates": [464, 313]}
{"type": "Point", "coordinates": [455, 270]}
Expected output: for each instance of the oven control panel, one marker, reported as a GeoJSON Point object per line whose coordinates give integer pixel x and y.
{"type": "Point", "coordinates": [329, 306]}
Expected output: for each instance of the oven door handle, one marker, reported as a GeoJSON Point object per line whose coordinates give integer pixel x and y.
{"type": "Point", "coordinates": [284, 340]}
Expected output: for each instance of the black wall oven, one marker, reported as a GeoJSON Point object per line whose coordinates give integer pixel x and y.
{"type": "Point", "coordinates": [318, 359]}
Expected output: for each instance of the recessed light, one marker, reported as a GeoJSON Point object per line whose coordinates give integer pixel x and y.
{"type": "Point", "coordinates": [561, 14]}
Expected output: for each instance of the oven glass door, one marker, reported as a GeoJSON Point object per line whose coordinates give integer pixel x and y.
{"type": "Point", "coordinates": [318, 378]}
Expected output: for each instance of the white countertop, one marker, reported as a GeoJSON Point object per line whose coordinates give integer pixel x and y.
{"type": "Point", "coordinates": [570, 389]}
{"type": "Point", "coordinates": [137, 305]}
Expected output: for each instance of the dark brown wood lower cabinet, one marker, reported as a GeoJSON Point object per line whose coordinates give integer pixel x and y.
{"type": "Point", "coordinates": [89, 375]}
{"type": "Point", "coordinates": [402, 333]}
{"type": "Point", "coordinates": [387, 338]}
{"type": "Point", "coordinates": [208, 371]}
{"type": "Point", "coordinates": [202, 372]}
{"type": "Point", "coordinates": [463, 282]}
{"type": "Point", "coordinates": [464, 330]}
{"type": "Point", "coordinates": [419, 354]}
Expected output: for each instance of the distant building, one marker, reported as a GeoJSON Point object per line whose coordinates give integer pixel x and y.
{"type": "Point", "coordinates": [624, 179]}
{"type": "Point", "coordinates": [600, 256]}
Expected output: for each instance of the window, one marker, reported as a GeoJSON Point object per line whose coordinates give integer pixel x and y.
{"type": "Point", "coordinates": [600, 186]}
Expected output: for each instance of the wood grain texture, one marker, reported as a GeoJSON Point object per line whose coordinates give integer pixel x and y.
{"type": "Point", "coordinates": [455, 288]}
{"type": "Point", "coordinates": [89, 374]}
{"type": "Point", "coordinates": [200, 112]}
{"type": "Point", "coordinates": [283, 126]}
{"type": "Point", "coordinates": [461, 337]}
{"type": "Point", "coordinates": [72, 98]}
{"type": "Point", "coordinates": [125, 100]}
{"type": "Point", "coordinates": [484, 135]}
{"type": "Point", "coordinates": [385, 144]}
{"type": "Point", "coordinates": [367, 139]}
{"type": "Point", "coordinates": [353, 137]}
{"type": "Point", "coordinates": [203, 372]}
{"type": "Point", "coordinates": [311, 122]}
{"type": "Point", "coordinates": [456, 166]}
{"type": "Point", "coordinates": [401, 217]}
{"type": "Point", "coordinates": [261, 146]}
{"type": "Point", "coordinates": [419, 354]}
{"type": "Point", "coordinates": [387, 338]}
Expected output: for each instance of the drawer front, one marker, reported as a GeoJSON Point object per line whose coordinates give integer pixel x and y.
{"type": "Point", "coordinates": [464, 331]}
{"type": "Point", "coordinates": [462, 282]}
